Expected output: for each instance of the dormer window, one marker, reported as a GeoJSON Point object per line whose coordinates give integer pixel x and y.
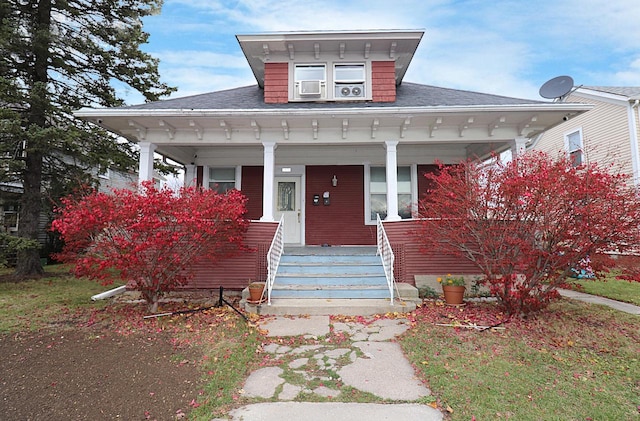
{"type": "Point", "coordinates": [310, 81]}
{"type": "Point", "coordinates": [349, 81]}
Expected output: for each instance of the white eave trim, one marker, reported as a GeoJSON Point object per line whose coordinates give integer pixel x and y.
{"type": "Point", "coordinates": [602, 96]}
{"type": "Point", "coordinates": [359, 111]}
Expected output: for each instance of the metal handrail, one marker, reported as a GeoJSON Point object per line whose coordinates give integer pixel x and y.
{"type": "Point", "coordinates": [386, 254]}
{"type": "Point", "coordinates": [273, 257]}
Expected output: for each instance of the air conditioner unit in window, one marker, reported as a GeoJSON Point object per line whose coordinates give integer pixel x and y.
{"type": "Point", "coordinates": [309, 87]}
{"type": "Point", "coordinates": [346, 91]}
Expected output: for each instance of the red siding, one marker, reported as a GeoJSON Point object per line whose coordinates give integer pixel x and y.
{"type": "Point", "coordinates": [252, 180]}
{"type": "Point", "coordinates": [237, 272]}
{"type": "Point", "coordinates": [423, 183]}
{"type": "Point", "coordinates": [342, 222]}
{"type": "Point", "coordinates": [410, 261]}
{"type": "Point", "coordinates": [199, 175]}
{"type": "Point", "coordinates": [276, 83]}
{"type": "Point", "coordinates": [383, 81]}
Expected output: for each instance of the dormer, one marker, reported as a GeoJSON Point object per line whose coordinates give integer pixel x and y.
{"type": "Point", "coordinates": [330, 66]}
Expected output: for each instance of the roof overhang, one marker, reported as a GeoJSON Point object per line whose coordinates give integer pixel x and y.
{"type": "Point", "coordinates": [172, 129]}
{"type": "Point", "coordinates": [396, 45]}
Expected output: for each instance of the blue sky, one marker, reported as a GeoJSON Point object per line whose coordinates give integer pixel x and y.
{"type": "Point", "coordinates": [505, 47]}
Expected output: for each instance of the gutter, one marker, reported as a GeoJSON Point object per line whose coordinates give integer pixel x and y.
{"type": "Point", "coordinates": [359, 111]}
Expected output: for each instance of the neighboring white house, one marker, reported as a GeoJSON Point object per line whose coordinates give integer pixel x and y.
{"type": "Point", "coordinates": [608, 134]}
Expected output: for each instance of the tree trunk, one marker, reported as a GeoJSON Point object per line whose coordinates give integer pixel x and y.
{"type": "Point", "coordinates": [31, 207]}
{"type": "Point", "coordinates": [31, 203]}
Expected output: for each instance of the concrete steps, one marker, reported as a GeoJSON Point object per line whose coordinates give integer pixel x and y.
{"type": "Point", "coordinates": [333, 280]}
{"type": "Point", "coordinates": [358, 274]}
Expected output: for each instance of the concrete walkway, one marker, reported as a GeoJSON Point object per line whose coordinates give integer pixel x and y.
{"type": "Point", "coordinates": [594, 299]}
{"type": "Point", "coordinates": [368, 365]}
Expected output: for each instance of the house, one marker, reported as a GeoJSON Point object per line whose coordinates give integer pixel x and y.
{"type": "Point", "coordinates": [608, 134]}
{"type": "Point", "coordinates": [330, 137]}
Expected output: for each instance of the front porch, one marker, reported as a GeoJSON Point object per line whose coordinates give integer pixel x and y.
{"type": "Point", "coordinates": [348, 280]}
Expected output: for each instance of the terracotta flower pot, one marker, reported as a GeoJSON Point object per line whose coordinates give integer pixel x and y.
{"type": "Point", "coordinates": [255, 291]}
{"type": "Point", "coordinates": [453, 295]}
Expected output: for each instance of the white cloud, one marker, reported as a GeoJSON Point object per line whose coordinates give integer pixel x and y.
{"type": "Point", "coordinates": [505, 47]}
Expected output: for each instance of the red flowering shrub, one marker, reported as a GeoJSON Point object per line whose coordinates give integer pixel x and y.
{"type": "Point", "coordinates": [150, 238]}
{"type": "Point", "coordinates": [527, 223]}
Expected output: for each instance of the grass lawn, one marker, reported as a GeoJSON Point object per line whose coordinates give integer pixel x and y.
{"type": "Point", "coordinates": [616, 289]}
{"type": "Point", "coordinates": [572, 362]}
{"type": "Point", "coordinates": [35, 304]}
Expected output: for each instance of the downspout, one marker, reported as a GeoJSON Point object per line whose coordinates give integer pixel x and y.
{"type": "Point", "coordinates": [110, 293]}
{"type": "Point", "coordinates": [633, 137]}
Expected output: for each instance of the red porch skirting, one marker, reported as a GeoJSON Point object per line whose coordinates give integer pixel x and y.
{"type": "Point", "coordinates": [237, 272]}
{"type": "Point", "coordinates": [410, 261]}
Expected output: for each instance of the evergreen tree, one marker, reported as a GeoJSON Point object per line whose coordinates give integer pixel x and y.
{"type": "Point", "coordinates": [57, 56]}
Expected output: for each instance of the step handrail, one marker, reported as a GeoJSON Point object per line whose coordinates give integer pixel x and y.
{"type": "Point", "coordinates": [273, 257]}
{"type": "Point", "coordinates": [386, 254]}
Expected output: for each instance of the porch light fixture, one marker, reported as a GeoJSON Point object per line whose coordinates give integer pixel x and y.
{"type": "Point", "coordinates": [286, 169]}
{"type": "Point", "coordinates": [334, 181]}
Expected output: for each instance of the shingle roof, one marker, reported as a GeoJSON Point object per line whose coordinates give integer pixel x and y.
{"type": "Point", "coordinates": [407, 95]}
{"type": "Point", "coordinates": [628, 91]}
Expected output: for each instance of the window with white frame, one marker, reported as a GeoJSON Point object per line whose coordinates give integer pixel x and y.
{"type": "Point", "coordinates": [349, 81]}
{"type": "Point", "coordinates": [222, 179]}
{"type": "Point", "coordinates": [573, 145]}
{"type": "Point", "coordinates": [378, 193]}
{"type": "Point", "coordinates": [310, 80]}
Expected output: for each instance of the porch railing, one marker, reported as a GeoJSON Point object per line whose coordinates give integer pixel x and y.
{"type": "Point", "coordinates": [386, 254]}
{"type": "Point", "coordinates": [273, 257]}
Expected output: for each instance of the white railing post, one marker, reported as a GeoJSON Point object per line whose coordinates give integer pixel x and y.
{"type": "Point", "coordinates": [273, 257]}
{"type": "Point", "coordinates": [386, 255]}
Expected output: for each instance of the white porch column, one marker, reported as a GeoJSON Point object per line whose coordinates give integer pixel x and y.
{"type": "Point", "coordinates": [392, 181]}
{"type": "Point", "coordinates": [190, 176]}
{"type": "Point", "coordinates": [519, 146]}
{"type": "Point", "coordinates": [267, 185]}
{"type": "Point", "coordinates": [145, 167]}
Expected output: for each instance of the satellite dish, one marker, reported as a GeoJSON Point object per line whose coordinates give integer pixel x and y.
{"type": "Point", "coordinates": [556, 87]}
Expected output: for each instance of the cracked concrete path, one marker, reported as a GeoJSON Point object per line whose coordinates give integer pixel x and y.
{"type": "Point", "coordinates": [343, 361]}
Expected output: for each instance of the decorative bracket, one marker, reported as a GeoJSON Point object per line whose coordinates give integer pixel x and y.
{"type": "Point", "coordinates": [314, 126]}
{"type": "Point", "coordinates": [494, 125]}
{"type": "Point", "coordinates": [142, 131]}
{"type": "Point", "coordinates": [227, 130]}
{"type": "Point", "coordinates": [256, 129]}
{"type": "Point", "coordinates": [198, 128]}
{"type": "Point", "coordinates": [171, 131]}
{"type": "Point", "coordinates": [433, 127]}
{"type": "Point", "coordinates": [405, 126]}
{"type": "Point", "coordinates": [285, 129]}
{"type": "Point", "coordinates": [345, 127]}
{"type": "Point", "coordinates": [374, 127]}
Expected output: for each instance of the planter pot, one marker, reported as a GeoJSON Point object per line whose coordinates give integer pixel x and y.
{"type": "Point", "coordinates": [453, 295]}
{"type": "Point", "coordinates": [255, 291]}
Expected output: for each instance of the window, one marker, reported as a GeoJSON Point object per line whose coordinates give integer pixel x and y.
{"type": "Point", "coordinates": [11, 217]}
{"type": "Point", "coordinates": [309, 80]}
{"type": "Point", "coordinates": [349, 80]}
{"type": "Point", "coordinates": [222, 179]}
{"type": "Point", "coordinates": [573, 145]}
{"type": "Point", "coordinates": [378, 192]}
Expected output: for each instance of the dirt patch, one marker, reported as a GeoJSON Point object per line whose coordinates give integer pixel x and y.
{"type": "Point", "coordinates": [88, 374]}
